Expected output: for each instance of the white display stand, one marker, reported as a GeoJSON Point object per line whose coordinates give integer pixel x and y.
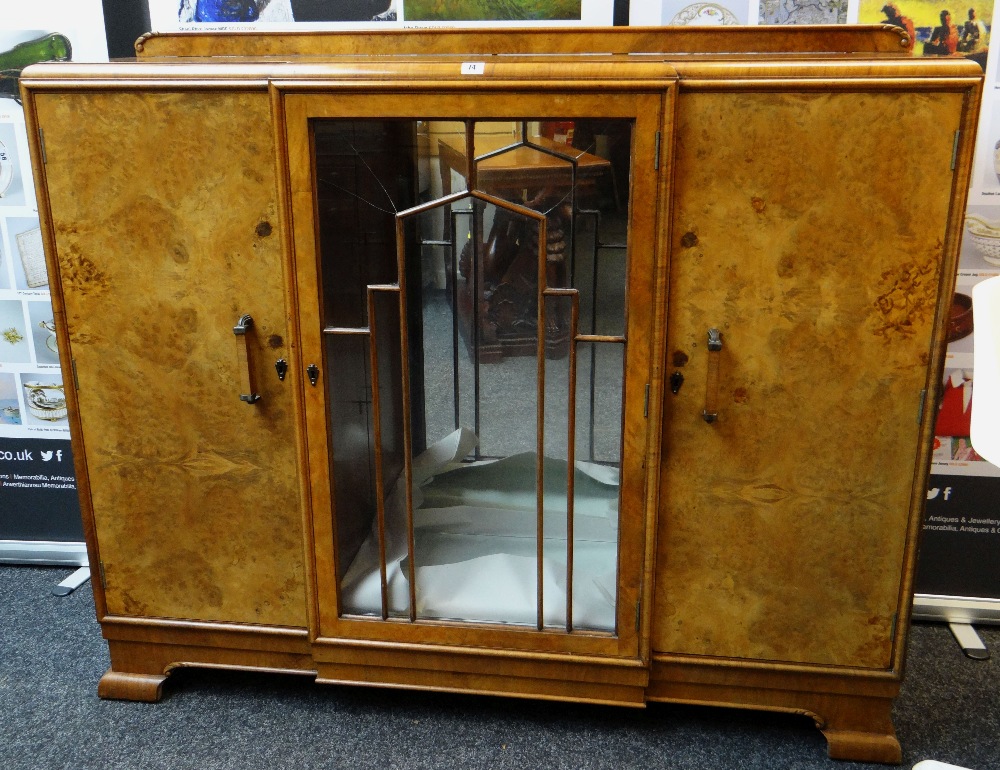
{"type": "Point", "coordinates": [960, 613]}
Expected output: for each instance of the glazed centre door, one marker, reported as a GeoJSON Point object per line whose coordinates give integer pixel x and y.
{"type": "Point", "coordinates": [475, 280]}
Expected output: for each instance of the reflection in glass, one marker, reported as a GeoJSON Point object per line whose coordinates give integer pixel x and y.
{"type": "Point", "coordinates": [473, 285]}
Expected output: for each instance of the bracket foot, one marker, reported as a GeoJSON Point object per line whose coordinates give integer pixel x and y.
{"type": "Point", "coordinates": [863, 747]}
{"type": "Point", "coordinates": [118, 685]}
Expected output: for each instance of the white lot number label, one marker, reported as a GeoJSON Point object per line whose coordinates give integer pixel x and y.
{"type": "Point", "coordinates": [473, 68]}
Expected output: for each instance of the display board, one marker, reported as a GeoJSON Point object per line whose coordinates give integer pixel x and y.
{"type": "Point", "coordinates": [39, 508]}
{"type": "Point", "coordinates": [957, 579]}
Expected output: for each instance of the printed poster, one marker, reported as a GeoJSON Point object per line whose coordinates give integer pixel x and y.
{"type": "Point", "coordinates": [168, 15]}
{"type": "Point", "coordinates": [38, 498]}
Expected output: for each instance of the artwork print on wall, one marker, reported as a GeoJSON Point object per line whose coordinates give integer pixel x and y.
{"type": "Point", "coordinates": [492, 10]}
{"type": "Point", "coordinates": [936, 28]}
{"type": "Point", "coordinates": [242, 11]}
{"type": "Point", "coordinates": [803, 11]}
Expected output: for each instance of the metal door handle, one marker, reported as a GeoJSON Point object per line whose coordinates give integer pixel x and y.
{"type": "Point", "coordinates": [248, 380]}
{"type": "Point", "coordinates": [711, 411]}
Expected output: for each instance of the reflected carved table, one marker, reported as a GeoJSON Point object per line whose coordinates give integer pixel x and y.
{"type": "Point", "coordinates": [555, 179]}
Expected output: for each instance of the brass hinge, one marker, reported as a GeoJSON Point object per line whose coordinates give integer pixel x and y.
{"type": "Point", "coordinates": [656, 154]}
{"type": "Point", "coordinates": [645, 403]}
{"type": "Point", "coordinates": [638, 613]}
{"type": "Point", "coordinates": [954, 150]}
{"type": "Point", "coordinates": [41, 145]}
{"type": "Point", "coordinates": [76, 378]}
{"type": "Point", "coordinates": [920, 408]}
{"type": "Point", "coordinates": [104, 580]}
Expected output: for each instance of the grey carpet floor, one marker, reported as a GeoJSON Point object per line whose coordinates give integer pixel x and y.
{"type": "Point", "coordinates": [52, 654]}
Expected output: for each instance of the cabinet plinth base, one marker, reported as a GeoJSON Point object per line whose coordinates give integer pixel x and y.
{"type": "Point", "coordinates": [119, 685]}
{"type": "Point", "coordinates": [852, 709]}
{"type": "Point", "coordinates": [466, 670]}
{"type": "Point", "coordinates": [145, 650]}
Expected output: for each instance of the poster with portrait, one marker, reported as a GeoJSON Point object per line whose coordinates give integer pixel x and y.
{"type": "Point", "coordinates": [936, 29]}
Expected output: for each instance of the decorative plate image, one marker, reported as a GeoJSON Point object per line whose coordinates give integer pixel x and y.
{"type": "Point", "coordinates": [704, 15]}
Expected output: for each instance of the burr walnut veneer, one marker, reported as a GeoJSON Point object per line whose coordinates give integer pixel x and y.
{"type": "Point", "coordinates": [377, 380]}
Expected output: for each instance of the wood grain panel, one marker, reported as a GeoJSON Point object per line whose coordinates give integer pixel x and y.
{"type": "Point", "coordinates": [809, 228]}
{"type": "Point", "coordinates": [874, 39]}
{"type": "Point", "coordinates": [164, 210]}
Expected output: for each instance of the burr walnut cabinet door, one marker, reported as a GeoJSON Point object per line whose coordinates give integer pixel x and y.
{"type": "Point", "coordinates": [481, 331]}
{"type": "Point", "coordinates": [809, 230]}
{"type": "Point", "coordinates": [162, 209]}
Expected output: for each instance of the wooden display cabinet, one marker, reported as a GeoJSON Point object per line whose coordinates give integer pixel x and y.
{"type": "Point", "coordinates": [376, 381]}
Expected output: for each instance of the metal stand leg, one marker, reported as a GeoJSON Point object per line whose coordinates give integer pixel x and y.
{"type": "Point", "coordinates": [74, 581]}
{"type": "Point", "coordinates": [969, 641]}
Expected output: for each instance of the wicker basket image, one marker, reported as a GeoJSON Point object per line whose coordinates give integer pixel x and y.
{"type": "Point", "coordinates": [985, 238]}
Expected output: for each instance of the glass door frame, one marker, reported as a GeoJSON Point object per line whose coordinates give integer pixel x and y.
{"type": "Point", "coordinates": [639, 435]}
